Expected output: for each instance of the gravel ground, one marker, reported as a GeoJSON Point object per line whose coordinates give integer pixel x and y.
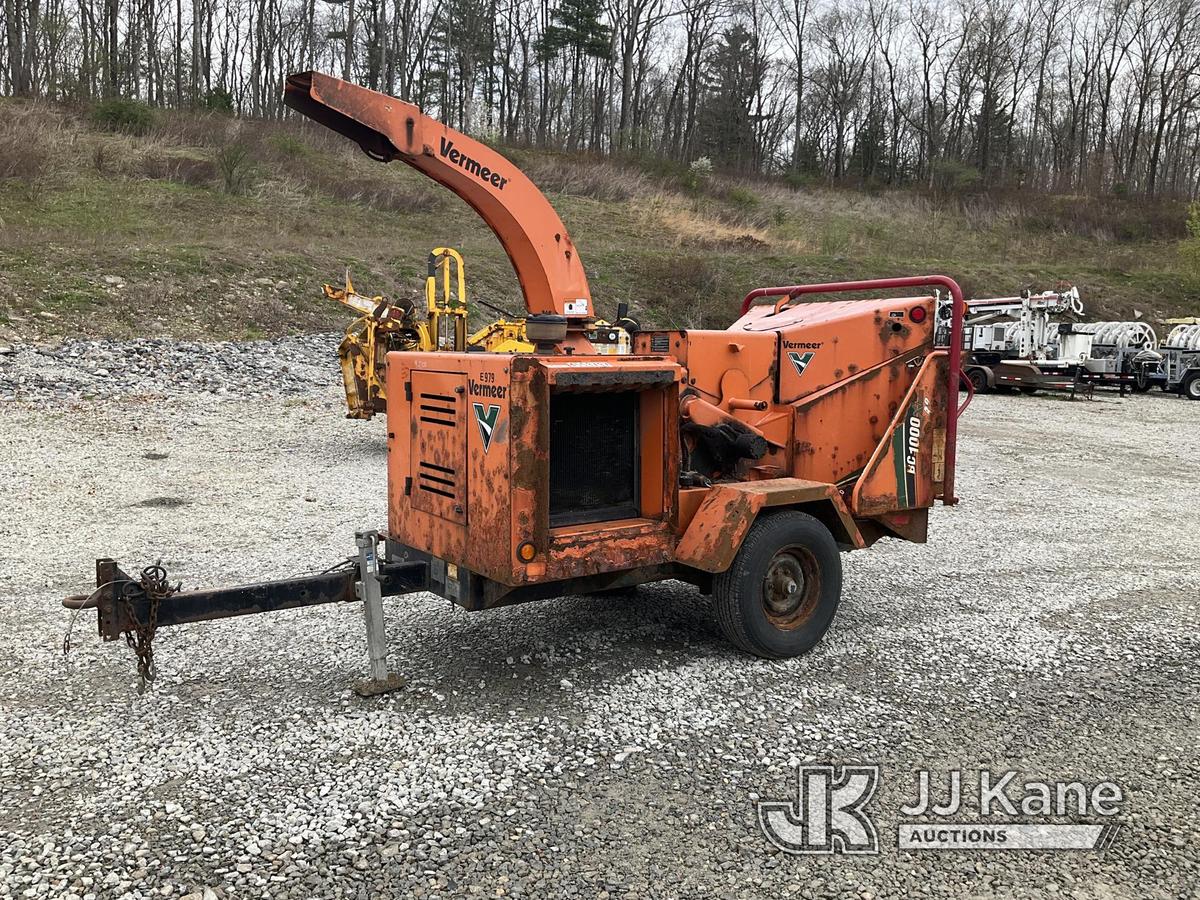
{"type": "Point", "coordinates": [585, 747]}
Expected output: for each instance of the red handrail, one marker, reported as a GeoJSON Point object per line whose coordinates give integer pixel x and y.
{"type": "Point", "coordinates": [953, 410]}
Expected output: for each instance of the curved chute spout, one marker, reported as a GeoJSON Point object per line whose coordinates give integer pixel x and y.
{"type": "Point", "coordinates": [534, 237]}
{"type": "Point", "coordinates": [298, 94]}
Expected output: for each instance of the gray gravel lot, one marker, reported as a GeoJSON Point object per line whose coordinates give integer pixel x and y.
{"type": "Point", "coordinates": [580, 747]}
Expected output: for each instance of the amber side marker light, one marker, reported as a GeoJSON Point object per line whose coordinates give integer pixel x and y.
{"type": "Point", "coordinates": [526, 552]}
{"type": "Point", "coordinates": [917, 314]}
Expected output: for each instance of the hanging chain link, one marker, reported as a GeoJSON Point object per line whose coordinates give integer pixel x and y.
{"type": "Point", "coordinates": [154, 585]}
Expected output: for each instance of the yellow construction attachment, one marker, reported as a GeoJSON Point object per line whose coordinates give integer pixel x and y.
{"type": "Point", "coordinates": [448, 311]}
{"type": "Point", "coordinates": [383, 326]}
{"type": "Point", "coordinates": [502, 336]}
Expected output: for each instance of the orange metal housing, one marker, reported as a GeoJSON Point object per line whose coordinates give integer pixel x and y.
{"type": "Point", "coordinates": [468, 464]}
{"type": "Point", "coordinates": [850, 398]}
{"type": "Point", "coordinates": [517, 476]}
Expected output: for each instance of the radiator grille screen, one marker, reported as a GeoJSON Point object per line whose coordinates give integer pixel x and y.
{"type": "Point", "coordinates": [593, 457]}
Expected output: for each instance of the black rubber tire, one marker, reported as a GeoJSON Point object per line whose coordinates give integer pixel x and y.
{"type": "Point", "coordinates": [978, 379]}
{"type": "Point", "coordinates": [1141, 382]}
{"type": "Point", "coordinates": [1191, 387]}
{"type": "Point", "coordinates": [782, 540]}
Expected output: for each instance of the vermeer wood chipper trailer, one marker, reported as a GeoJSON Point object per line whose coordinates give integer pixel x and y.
{"type": "Point", "coordinates": [741, 460]}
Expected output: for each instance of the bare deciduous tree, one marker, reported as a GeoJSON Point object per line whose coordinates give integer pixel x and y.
{"type": "Point", "coordinates": [1070, 95]}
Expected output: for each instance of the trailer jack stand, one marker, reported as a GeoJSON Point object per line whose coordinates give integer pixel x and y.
{"type": "Point", "coordinates": [368, 590]}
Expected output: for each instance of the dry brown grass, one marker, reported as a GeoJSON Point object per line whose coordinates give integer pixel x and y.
{"type": "Point", "coordinates": [33, 139]}
{"type": "Point", "coordinates": [589, 177]}
{"type": "Point", "coordinates": [180, 167]}
{"type": "Point", "coordinates": [78, 203]}
{"type": "Point", "coordinates": [386, 190]}
{"type": "Point", "coordinates": [204, 149]}
{"type": "Point", "coordinates": [689, 222]}
{"type": "Point", "coordinates": [820, 202]}
{"type": "Point", "coordinates": [198, 128]}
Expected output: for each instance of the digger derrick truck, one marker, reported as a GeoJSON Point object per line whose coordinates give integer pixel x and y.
{"type": "Point", "coordinates": [739, 460]}
{"type": "Point", "coordinates": [1016, 343]}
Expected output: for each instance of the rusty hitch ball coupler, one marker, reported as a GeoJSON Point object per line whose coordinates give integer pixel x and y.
{"type": "Point", "coordinates": [126, 606]}
{"type": "Point", "coordinates": [112, 586]}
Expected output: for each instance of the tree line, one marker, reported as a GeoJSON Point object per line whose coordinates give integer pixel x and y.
{"type": "Point", "coordinates": [1070, 96]}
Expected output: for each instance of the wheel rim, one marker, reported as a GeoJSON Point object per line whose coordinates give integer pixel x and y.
{"type": "Point", "coordinates": [1193, 388]}
{"type": "Point", "coordinates": [791, 587]}
{"type": "Point", "coordinates": [978, 379]}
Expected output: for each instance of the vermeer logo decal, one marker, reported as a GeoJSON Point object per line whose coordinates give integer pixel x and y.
{"type": "Point", "coordinates": [800, 360]}
{"type": "Point", "coordinates": [483, 173]}
{"type": "Point", "coordinates": [487, 422]}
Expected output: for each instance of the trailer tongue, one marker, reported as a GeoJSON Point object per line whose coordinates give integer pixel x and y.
{"type": "Point", "coordinates": [740, 460]}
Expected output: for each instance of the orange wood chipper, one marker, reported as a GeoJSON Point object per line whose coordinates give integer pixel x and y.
{"type": "Point", "coordinates": [741, 461]}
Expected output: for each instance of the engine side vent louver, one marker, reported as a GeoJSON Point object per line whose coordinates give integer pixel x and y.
{"type": "Point", "coordinates": [439, 444]}
{"type": "Point", "coordinates": [436, 479]}
{"type": "Point", "coordinates": [437, 409]}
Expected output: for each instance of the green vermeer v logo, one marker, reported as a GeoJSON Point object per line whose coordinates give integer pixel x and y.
{"type": "Point", "coordinates": [487, 422]}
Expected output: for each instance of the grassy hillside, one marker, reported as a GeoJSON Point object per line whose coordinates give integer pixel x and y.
{"type": "Point", "coordinates": [205, 226]}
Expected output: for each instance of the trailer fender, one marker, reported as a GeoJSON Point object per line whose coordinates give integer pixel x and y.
{"type": "Point", "coordinates": [907, 469]}
{"type": "Point", "coordinates": [716, 532]}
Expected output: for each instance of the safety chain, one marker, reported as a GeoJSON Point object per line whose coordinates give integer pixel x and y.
{"type": "Point", "coordinates": [154, 585]}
